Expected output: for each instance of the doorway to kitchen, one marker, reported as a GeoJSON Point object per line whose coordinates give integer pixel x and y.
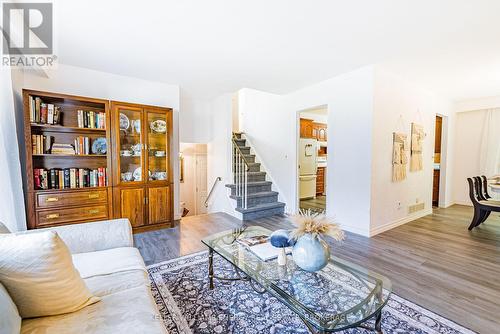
{"type": "Point", "coordinates": [437, 174]}
{"type": "Point", "coordinates": [312, 159]}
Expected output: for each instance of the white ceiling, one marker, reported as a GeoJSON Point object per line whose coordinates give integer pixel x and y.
{"type": "Point", "coordinates": [211, 47]}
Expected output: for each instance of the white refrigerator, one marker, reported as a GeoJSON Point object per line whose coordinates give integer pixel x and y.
{"type": "Point", "coordinates": [308, 151]}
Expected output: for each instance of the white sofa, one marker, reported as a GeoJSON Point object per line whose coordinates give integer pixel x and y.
{"type": "Point", "coordinates": [114, 270]}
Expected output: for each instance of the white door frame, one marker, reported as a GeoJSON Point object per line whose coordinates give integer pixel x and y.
{"type": "Point", "coordinates": [297, 141]}
{"type": "Point", "coordinates": [445, 132]}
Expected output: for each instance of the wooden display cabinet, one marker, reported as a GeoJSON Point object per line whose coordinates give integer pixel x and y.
{"type": "Point", "coordinates": [143, 197]}
{"type": "Point", "coordinates": [142, 184]}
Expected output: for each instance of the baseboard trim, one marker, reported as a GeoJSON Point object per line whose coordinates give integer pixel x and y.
{"type": "Point", "coordinates": [355, 230]}
{"type": "Point", "coordinates": [399, 222]}
{"type": "Point", "coordinates": [463, 203]}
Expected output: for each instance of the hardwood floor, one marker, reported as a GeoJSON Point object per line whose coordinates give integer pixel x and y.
{"type": "Point", "coordinates": [433, 261]}
{"type": "Point", "coordinates": [317, 204]}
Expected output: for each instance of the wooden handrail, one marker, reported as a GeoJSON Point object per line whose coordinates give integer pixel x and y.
{"type": "Point", "coordinates": [247, 164]}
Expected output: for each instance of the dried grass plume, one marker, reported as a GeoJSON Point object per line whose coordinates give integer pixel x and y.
{"type": "Point", "coordinates": [317, 224]}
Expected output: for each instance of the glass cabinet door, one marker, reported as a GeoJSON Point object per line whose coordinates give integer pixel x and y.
{"type": "Point", "coordinates": [156, 128]}
{"type": "Point", "coordinates": [130, 145]}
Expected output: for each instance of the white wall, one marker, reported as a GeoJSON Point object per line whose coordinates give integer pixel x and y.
{"type": "Point", "coordinates": [364, 109]}
{"type": "Point", "coordinates": [469, 129]}
{"type": "Point", "coordinates": [268, 127]}
{"type": "Point", "coordinates": [470, 119]}
{"type": "Point", "coordinates": [477, 104]}
{"type": "Point", "coordinates": [349, 98]}
{"type": "Point", "coordinates": [219, 155]}
{"type": "Point", "coordinates": [194, 120]}
{"type": "Point", "coordinates": [84, 82]}
{"type": "Point", "coordinates": [12, 212]}
{"type": "Point", "coordinates": [398, 103]}
{"type": "Point", "coordinates": [271, 123]}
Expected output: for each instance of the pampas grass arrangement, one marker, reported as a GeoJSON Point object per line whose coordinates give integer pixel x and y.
{"type": "Point", "coordinates": [316, 224]}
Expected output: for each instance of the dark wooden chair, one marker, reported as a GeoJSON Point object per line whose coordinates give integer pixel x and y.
{"type": "Point", "coordinates": [485, 187]}
{"type": "Point", "coordinates": [478, 185]}
{"type": "Point", "coordinates": [482, 207]}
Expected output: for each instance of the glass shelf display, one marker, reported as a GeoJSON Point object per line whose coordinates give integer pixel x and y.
{"type": "Point", "coordinates": [157, 142]}
{"type": "Point", "coordinates": [131, 145]}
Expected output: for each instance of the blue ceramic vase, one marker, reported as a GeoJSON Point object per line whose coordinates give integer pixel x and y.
{"type": "Point", "coordinates": [311, 253]}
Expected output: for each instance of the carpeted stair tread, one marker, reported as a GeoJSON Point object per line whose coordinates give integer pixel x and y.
{"type": "Point", "coordinates": [259, 194]}
{"type": "Point", "coordinates": [252, 184]}
{"type": "Point", "coordinates": [264, 206]}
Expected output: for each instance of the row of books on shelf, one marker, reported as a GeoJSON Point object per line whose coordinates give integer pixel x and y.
{"type": "Point", "coordinates": [42, 144]}
{"type": "Point", "coordinates": [68, 178]}
{"type": "Point", "coordinates": [82, 145]}
{"type": "Point", "coordinates": [44, 113]}
{"type": "Point", "coordinates": [91, 119]}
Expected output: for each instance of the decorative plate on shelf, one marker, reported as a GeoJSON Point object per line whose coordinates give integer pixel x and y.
{"type": "Point", "coordinates": [99, 146]}
{"type": "Point", "coordinates": [136, 149]}
{"type": "Point", "coordinates": [158, 126]}
{"type": "Point", "coordinates": [137, 174]}
{"type": "Point", "coordinates": [124, 122]}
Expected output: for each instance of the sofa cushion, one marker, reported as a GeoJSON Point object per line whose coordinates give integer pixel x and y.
{"type": "Point", "coordinates": [108, 261]}
{"type": "Point", "coordinates": [38, 272]}
{"type": "Point", "coordinates": [129, 311]}
{"type": "Point", "coordinates": [112, 270]}
{"type": "Point", "coordinates": [10, 321]}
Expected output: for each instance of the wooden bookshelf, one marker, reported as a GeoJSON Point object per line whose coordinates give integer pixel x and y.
{"type": "Point", "coordinates": [71, 155]}
{"type": "Point", "coordinates": [60, 128]}
{"type": "Point", "coordinates": [51, 207]}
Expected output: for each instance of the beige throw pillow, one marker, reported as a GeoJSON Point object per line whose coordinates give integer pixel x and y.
{"type": "Point", "coordinates": [38, 272]}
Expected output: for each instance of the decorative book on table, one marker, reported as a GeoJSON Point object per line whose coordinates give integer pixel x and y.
{"type": "Point", "coordinates": [261, 247]}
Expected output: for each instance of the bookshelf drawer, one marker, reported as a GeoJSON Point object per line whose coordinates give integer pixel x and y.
{"type": "Point", "coordinates": [91, 213]}
{"type": "Point", "coordinates": [52, 200]}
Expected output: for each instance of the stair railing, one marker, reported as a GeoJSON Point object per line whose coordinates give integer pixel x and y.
{"type": "Point", "coordinates": [217, 179]}
{"type": "Point", "coordinates": [241, 167]}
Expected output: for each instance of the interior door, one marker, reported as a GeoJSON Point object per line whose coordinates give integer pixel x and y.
{"type": "Point", "coordinates": [201, 183]}
{"type": "Point", "coordinates": [158, 205]}
{"type": "Point", "coordinates": [132, 205]}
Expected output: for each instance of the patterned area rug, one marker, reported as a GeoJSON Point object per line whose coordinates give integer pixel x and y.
{"type": "Point", "coordinates": [187, 305]}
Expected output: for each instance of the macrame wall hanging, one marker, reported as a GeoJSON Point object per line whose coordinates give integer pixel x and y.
{"type": "Point", "coordinates": [417, 141]}
{"type": "Point", "coordinates": [399, 157]}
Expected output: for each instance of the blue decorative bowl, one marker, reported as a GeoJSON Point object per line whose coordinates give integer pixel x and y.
{"type": "Point", "coordinates": [281, 238]}
{"type": "Point", "coordinates": [311, 254]}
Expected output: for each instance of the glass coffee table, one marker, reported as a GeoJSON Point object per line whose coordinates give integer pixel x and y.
{"type": "Point", "coordinates": [340, 296]}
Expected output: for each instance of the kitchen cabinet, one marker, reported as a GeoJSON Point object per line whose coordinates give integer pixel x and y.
{"type": "Point", "coordinates": [320, 181]}
{"type": "Point", "coordinates": [306, 128]}
{"type": "Point", "coordinates": [435, 188]}
{"type": "Point", "coordinates": [314, 130]}
{"type": "Point", "coordinates": [320, 131]}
